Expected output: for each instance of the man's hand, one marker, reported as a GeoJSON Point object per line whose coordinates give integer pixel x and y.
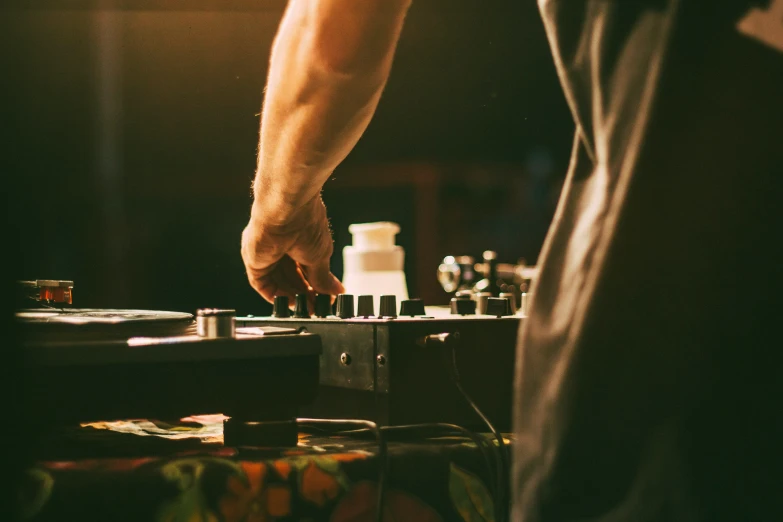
{"type": "Point", "coordinates": [289, 257]}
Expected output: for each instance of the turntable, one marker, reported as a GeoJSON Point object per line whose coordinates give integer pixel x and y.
{"type": "Point", "coordinates": [96, 364]}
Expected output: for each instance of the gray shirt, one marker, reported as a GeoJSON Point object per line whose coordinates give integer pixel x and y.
{"type": "Point", "coordinates": [648, 368]}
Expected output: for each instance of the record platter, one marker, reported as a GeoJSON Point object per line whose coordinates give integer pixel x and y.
{"type": "Point", "coordinates": [64, 325]}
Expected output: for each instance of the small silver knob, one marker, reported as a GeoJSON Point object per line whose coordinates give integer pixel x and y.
{"type": "Point", "coordinates": [511, 299]}
{"type": "Point", "coordinates": [524, 303]}
{"type": "Point", "coordinates": [481, 299]}
{"type": "Point", "coordinates": [215, 323]}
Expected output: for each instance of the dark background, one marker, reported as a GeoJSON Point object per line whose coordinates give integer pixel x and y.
{"type": "Point", "coordinates": [132, 133]}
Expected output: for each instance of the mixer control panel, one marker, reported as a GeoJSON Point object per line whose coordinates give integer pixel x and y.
{"type": "Point", "coordinates": [374, 365]}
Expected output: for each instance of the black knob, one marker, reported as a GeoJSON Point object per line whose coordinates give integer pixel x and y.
{"type": "Point", "coordinates": [323, 305]}
{"type": "Point", "coordinates": [300, 307]}
{"type": "Point", "coordinates": [498, 306]}
{"type": "Point", "coordinates": [388, 306]}
{"type": "Point", "coordinates": [364, 307]}
{"type": "Point", "coordinates": [463, 305]}
{"type": "Point", "coordinates": [412, 307]}
{"type": "Point", "coordinates": [280, 308]}
{"type": "Point", "coordinates": [345, 306]}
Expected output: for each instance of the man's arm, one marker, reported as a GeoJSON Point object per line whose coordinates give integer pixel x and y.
{"type": "Point", "coordinates": [330, 62]}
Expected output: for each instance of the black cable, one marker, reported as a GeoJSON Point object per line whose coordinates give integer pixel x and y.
{"type": "Point", "coordinates": [371, 426]}
{"type": "Point", "coordinates": [450, 340]}
{"type": "Point", "coordinates": [482, 444]}
{"type": "Point", "coordinates": [503, 465]}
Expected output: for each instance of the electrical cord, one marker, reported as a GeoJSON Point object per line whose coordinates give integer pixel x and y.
{"type": "Point", "coordinates": [370, 426]}
{"type": "Point", "coordinates": [503, 465]}
{"type": "Point", "coordinates": [487, 450]}
{"type": "Point", "coordinates": [450, 341]}
{"type": "Point", "coordinates": [480, 443]}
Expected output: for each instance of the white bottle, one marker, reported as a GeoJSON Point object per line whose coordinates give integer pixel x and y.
{"type": "Point", "coordinates": [373, 263]}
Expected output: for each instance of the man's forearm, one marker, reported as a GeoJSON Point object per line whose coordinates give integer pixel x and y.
{"type": "Point", "coordinates": [329, 64]}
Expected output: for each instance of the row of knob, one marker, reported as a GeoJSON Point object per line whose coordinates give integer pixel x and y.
{"type": "Point", "coordinates": [345, 307]}
{"type": "Point", "coordinates": [460, 305]}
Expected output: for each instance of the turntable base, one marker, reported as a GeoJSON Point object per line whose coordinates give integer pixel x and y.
{"type": "Point", "coordinates": [102, 365]}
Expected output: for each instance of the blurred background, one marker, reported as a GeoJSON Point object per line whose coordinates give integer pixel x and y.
{"type": "Point", "coordinates": [132, 129]}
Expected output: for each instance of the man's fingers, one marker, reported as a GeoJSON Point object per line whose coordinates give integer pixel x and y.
{"type": "Point", "coordinates": [269, 286]}
{"type": "Point", "coordinates": [271, 289]}
{"type": "Point", "coordinates": [322, 280]}
{"type": "Point", "coordinates": [293, 278]}
{"type": "Point", "coordinates": [263, 287]}
{"type": "Point", "coordinates": [284, 278]}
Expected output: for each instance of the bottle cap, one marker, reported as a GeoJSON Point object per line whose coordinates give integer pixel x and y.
{"type": "Point", "coordinates": [374, 236]}
{"type": "Point", "coordinates": [373, 248]}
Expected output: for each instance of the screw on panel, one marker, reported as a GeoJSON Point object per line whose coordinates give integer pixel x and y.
{"type": "Point", "coordinates": [381, 360]}
{"type": "Point", "coordinates": [345, 359]}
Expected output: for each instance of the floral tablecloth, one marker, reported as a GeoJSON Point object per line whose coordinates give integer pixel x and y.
{"type": "Point", "coordinates": [183, 472]}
